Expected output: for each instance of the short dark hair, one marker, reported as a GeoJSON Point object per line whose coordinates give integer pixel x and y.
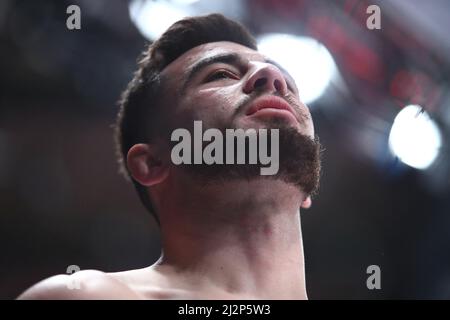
{"type": "Point", "coordinates": [140, 104]}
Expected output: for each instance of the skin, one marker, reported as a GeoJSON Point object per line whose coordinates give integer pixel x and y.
{"type": "Point", "coordinates": [235, 240]}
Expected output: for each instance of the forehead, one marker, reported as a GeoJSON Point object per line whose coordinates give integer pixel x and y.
{"type": "Point", "coordinates": [190, 57]}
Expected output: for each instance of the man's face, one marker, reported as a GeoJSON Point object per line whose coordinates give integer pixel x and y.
{"type": "Point", "coordinates": [218, 83]}
{"type": "Point", "coordinates": [230, 86]}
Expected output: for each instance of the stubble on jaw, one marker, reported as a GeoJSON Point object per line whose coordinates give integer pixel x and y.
{"type": "Point", "coordinates": [299, 162]}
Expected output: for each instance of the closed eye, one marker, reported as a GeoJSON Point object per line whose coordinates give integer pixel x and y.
{"type": "Point", "coordinates": [221, 74]}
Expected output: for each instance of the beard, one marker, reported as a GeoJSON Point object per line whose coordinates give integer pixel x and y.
{"type": "Point", "coordinates": [299, 161]}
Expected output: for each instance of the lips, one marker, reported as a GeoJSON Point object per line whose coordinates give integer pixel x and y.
{"type": "Point", "coordinates": [269, 102]}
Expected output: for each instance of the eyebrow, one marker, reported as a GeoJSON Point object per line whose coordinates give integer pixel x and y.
{"type": "Point", "coordinates": [227, 58]}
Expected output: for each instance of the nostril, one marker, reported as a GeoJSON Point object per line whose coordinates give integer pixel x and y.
{"type": "Point", "coordinates": [260, 83]}
{"type": "Point", "coordinates": [278, 86]}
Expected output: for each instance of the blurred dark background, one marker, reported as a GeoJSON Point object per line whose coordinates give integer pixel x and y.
{"type": "Point", "coordinates": [384, 197]}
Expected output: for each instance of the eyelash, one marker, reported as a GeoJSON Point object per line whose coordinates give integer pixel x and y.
{"type": "Point", "coordinates": [229, 74]}
{"type": "Point", "coordinates": [218, 75]}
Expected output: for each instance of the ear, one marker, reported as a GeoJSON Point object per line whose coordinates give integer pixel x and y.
{"type": "Point", "coordinates": [306, 204]}
{"type": "Point", "coordinates": [145, 165]}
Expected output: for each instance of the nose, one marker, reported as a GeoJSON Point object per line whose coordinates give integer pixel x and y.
{"type": "Point", "coordinates": [266, 77]}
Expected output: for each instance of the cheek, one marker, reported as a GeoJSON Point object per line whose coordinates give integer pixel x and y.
{"type": "Point", "coordinates": [310, 129]}
{"type": "Point", "coordinates": [214, 106]}
{"type": "Point", "coordinates": [307, 117]}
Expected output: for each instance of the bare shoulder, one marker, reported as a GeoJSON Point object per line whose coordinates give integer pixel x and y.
{"type": "Point", "coordinates": [86, 284]}
{"type": "Point", "coordinates": [153, 285]}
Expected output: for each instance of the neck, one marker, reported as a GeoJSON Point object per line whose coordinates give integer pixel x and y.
{"type": "Point", "coordinates": [246, 244]}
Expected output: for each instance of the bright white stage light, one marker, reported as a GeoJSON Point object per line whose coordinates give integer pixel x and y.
{"type": "Point", "coordinates": [152, 18]}
{"type": "Point", "coordinates": [184, 2]}
{"type": "Point", "coordinates": [307, 61]}
{"type": "Point", "coordinates": [415, 138]}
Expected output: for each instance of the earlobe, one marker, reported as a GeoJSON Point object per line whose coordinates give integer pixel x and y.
{"type": "Point", "coordinates": [306, 204]}
{"type": "Point", "coordinates": [144, 165]}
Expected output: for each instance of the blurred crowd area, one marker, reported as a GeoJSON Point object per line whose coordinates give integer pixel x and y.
{"type": "Point", "coordinates": [381, 107]}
